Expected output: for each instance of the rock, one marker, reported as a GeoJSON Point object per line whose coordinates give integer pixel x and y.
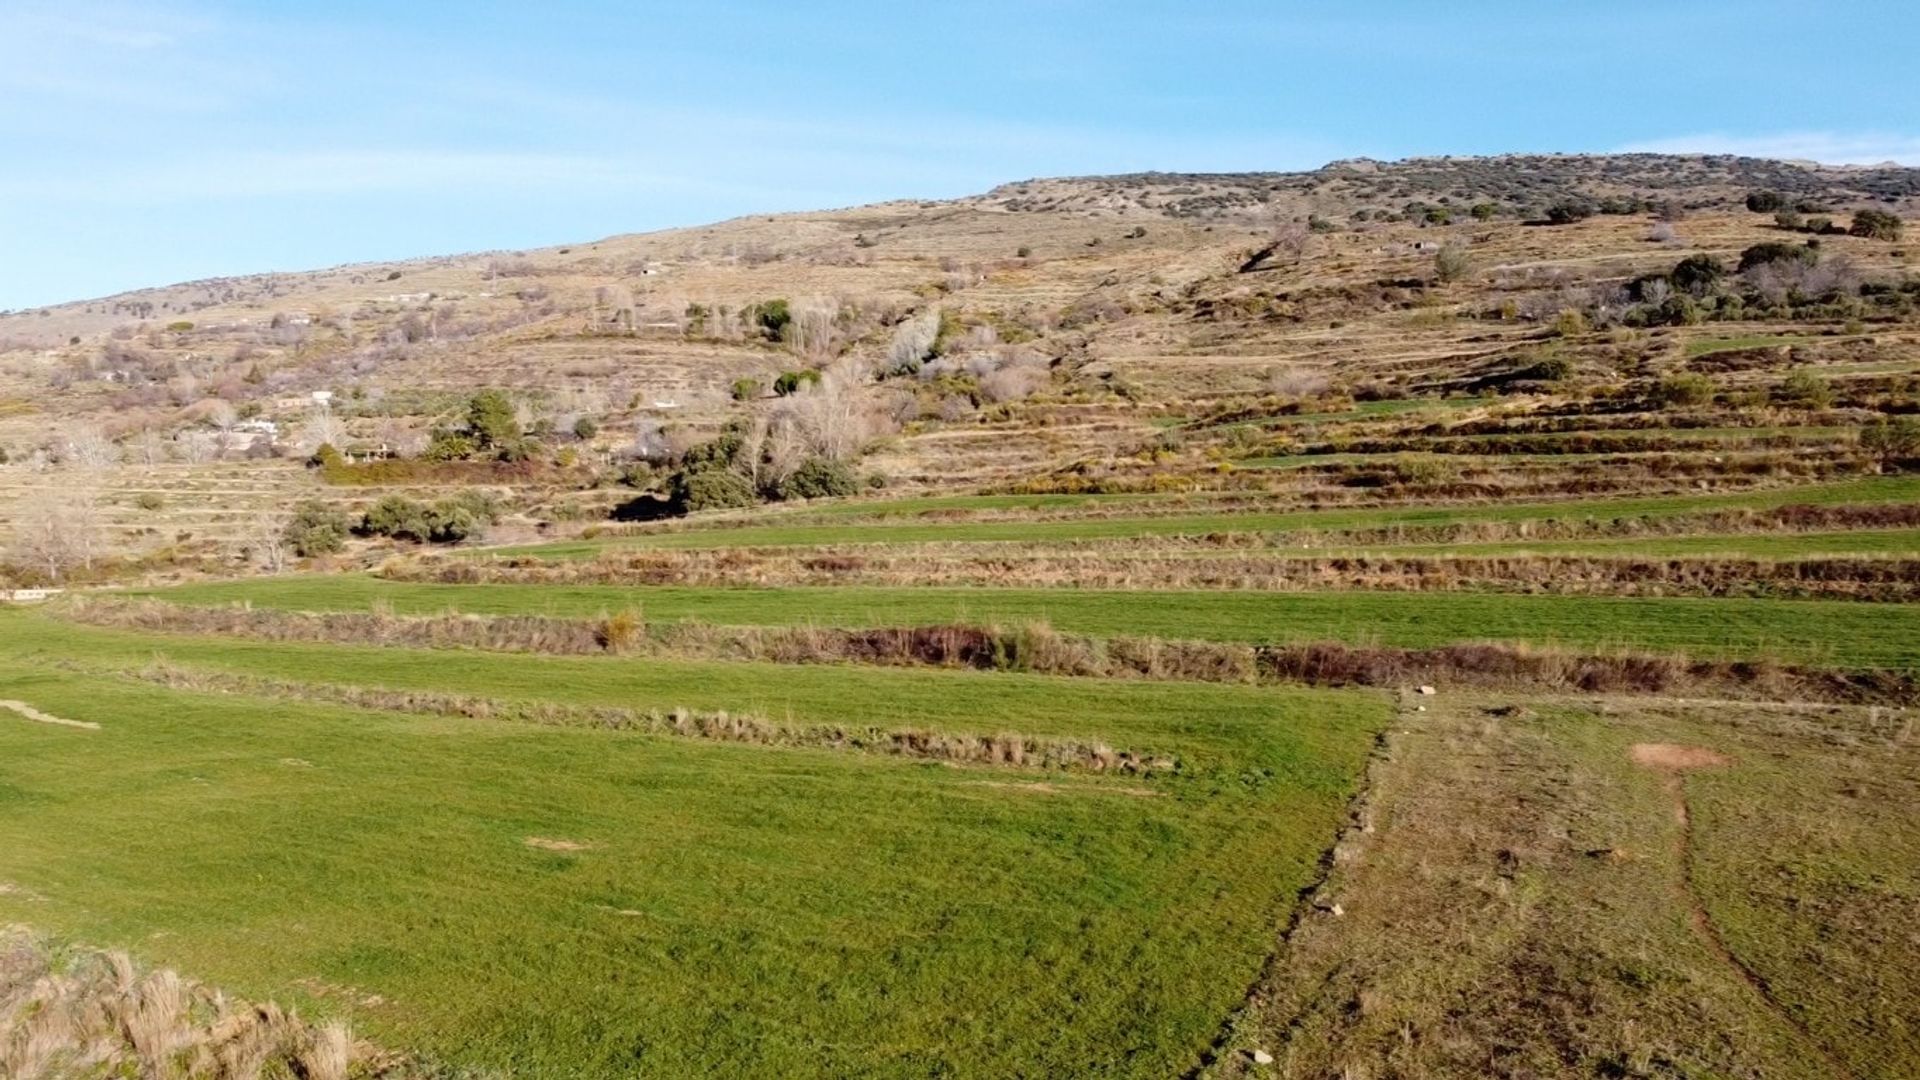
{"type": "Point", "coordinates": [1427, 691]}
{"type": "Point", "coordinates": [1260, 1057]}
{"type": "Point", "coordinates": [1337, 910]}
{"type": "Point", "coordinates": [1419, 708]}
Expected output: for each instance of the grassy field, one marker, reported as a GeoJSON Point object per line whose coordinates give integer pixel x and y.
{"type": "Point", "coordinates": [601, 903]}
{"type": "Point", "coordinates": [1841, 633]}
{"type": "Point", "coordinates": [1874, 489]}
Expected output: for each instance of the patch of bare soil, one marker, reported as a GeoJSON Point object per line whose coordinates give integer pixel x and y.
{"type": "Point", "coordinates": [1041, 787]}
{"type": "Point", "coordinates": [1675, 757]}
{"type": "Point", "coordinates": [546, 843]}
{"type": "Point", "coordinates": [32, 713]}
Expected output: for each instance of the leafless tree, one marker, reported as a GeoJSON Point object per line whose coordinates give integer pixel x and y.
{"type": "Point", "coordinates": [321, 428]}
{"type": "Point", "coordinates": [913, 340]}
{"type": "Point", "coordinates": [84, 446]}
{"type": "Point", "coordinates": [57, 531]}
{"type": "Point", "coordinates": [266, 540]}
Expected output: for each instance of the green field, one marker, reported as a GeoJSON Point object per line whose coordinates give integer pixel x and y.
{"type": "Point", "coordinates": [1842, 633]}
{"type": "Point", "coordinates": [1872, 490]}
{"type": "Point", "coordinates": [731, 908]}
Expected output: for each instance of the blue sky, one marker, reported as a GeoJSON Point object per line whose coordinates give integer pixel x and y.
{"type": "Point", "coordinates": [144, 143]}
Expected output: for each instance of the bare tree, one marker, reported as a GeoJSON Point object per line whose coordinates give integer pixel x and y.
{"type": "Point", "coordinates": [57, 531]}
{"type": "Point", "coordinates": [83, 446]}
{"type": "Point", "coordinates": [266, 540]}
{"type": "Point", "coordinates": [912, 341]}
{"type": "Point", "coordinates": [321, 428]}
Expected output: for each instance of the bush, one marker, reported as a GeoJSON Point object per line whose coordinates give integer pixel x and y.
{"type": "Point", "coordinates": [325, 456]}
{"type": "Point", "coordinates": [1766, 202]}
{"type": "Point", "coordinates": [585, 428]}
{"type": "Point", "coordinates": [1891, 441]}
{"type": "Point", "coordinates": [1774, 251]}
{"type": "Point", "coordinates": [445, 445]}
{"type": "Point", "coordinates": [150, 501]}
{"type": "Point", "coordinates": [1684, 389]}
{"type": "Point", "coordinates": [1570, 323]}
{"type": "Point", "coordinates": [819, 478]}
{"type": "Point", "coordinates": [1697, 274]}
{"type": "Point", "coordinates": [710, 488]}
{"type": "Point", "coordinates": [449, 521]}
{"type": "Point", "coordinates": [791, 381]}
{"type": "Point", "coordinates": [1568, 211]}
{"type": "Point", "coordinates": [1548, 369]}
{"type": "Point", "coordinates": [315, 529]}
{"type": "Point", "coordinates": [1876, 225]}
{"type": "Point", "coordinates": [1451, 263]}
{"type": "Point", "coordinates": [1807, 390]}
{"type": "Point", "coordinates": [1789, 219]}
{"type": "Point", "coordinates": [1484, 211]}
{"type": "Point", "coordinates": [746, 389]}
{"type": "Point", "coordinates": [398, 517]}
{"type": "Point", "coordinates": [773, 317]}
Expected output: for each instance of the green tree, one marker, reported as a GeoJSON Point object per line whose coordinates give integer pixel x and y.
{"type": "Point", "coordinates": [315, 529]}
{"type": "Point", "coordinates": [1697, 274]}
{"type": "Point", "coordinates": [398, 517]}
{"type": "Point", "coordinates": [490, 420]}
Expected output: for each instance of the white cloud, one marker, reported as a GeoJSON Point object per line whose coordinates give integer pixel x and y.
{"type": "Point", "coordinates": [1827, 147]}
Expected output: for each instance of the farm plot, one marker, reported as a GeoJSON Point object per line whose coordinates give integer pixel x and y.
{"type": "Point", "coordinates": [567, 901]}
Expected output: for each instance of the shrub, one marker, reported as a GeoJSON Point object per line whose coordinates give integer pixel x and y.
{"type": "Point", "coordinates": [1484, 211]}
{"type": "Point", "coordinates": [1548, 369]}
{"type": "Point", "coordinates": [791, 381]}
{"type": "Point", "coordinates": [585, 428]}
{"type": "Point", "coordinates": [746, 389]}
{"type": "Point", "coordinates": [772, 318]}
{"type": "Point", "coordinates": [1697, 274]}
{"type": "Point", "coordinates": [1568, 211]}
{"type": "Point", "coordinates": [399, 517]}
{"type": "Point", "coordinates": [315, 529]}
{"type": "Point", "coordinates": [619, 632]}
{"type": "Point", "coordinates": [1570, 323]}
{"type": "Point", "coordinates": [1685, 389]}
{"type": "Point", "coordinates": [445, 445]}
{"type": "Point", "coordinates": [819, 478]}
{"type": "Point", "coordinates": [150, 500]}
{"type": "Point", "coordinates": [180, 327]}
{"type": "Point", "coordinates": [325, 456]}
{"type": "Point", "coordinates": [1876, 225]}
{"type": "Point", "coordinates": [1774, 251]}
{"type": "Point", "coordinates": [710, 488]}
{"type": "Point", "coordinates": [1891, 441]}
{"type": "Point", "coordinates": [1807, 390]}
{"type": "Point", "coordinates": [1789, 219]}
{"type": "Point", "coordinates": [1766, 202]}
{"type": "Point", "coordinates": [1023, 252]}
{"type": "Point", "coordinates": [1451, 263]}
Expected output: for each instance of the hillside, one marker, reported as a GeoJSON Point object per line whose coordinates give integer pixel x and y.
{"type": "Point", "coordinates": [1452, 617]}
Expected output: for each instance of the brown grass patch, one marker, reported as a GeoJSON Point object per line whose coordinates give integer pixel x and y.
{"type": "Point", "coordinates": [547, 843]}
{"type": "Point", "coordinates": [1674, 757]}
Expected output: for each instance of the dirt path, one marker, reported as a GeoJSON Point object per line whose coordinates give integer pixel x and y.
{"type": "Point", "coordinates": [32, 713]}
{"type": "Point", "coordinates": [1673, 762]}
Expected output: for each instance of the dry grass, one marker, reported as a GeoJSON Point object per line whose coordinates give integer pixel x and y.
{"type": "Point", "coordinates": [69, 1012]}
{"type": "Point", "coordinates": [1034, 647]}
{"type": "Point", "coordinates": [1518, 900]}
{"type": "Point", "coordinates": [1007, 749]}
